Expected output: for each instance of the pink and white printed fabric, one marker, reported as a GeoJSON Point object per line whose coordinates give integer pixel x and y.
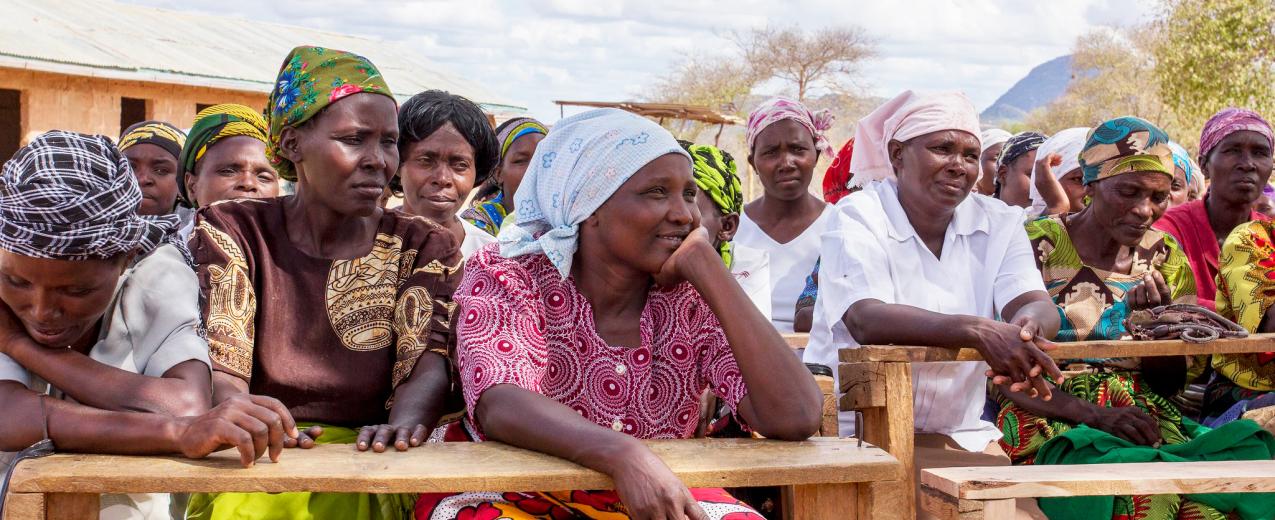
{"type": "Point", "coordinates": [778, 109]}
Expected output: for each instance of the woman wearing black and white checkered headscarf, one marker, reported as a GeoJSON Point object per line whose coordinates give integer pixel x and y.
{"type": "Point", "coordinates": [71, 196]}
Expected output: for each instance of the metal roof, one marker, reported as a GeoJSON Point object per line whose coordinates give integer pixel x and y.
{"type": "Point", "coordinates": [119, 41]}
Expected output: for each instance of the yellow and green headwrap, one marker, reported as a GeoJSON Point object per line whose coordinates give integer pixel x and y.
{"type": "Point", "coordinates": [310, 79]}
{"type": "Point", "coordinates": [158, 133]}
{"type": "Point", "coordinates": [1125, 145]}
{"type": "Point", "coordinates": [714, 172]}
{"type": "Point", "coordinates": [213, 124]}
{"type": "Point", "coordinates": [512, 129]}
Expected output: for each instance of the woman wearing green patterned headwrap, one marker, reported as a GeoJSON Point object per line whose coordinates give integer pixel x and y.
{"type": "Point", "coordinates": [225, 157]}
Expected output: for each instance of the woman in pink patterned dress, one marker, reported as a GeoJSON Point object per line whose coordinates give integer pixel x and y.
{"type": "Point", "coordinates": [600, 318]}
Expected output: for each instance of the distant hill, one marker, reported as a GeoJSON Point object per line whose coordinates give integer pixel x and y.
{"type": "Point", "coordinates": [1043, 84]}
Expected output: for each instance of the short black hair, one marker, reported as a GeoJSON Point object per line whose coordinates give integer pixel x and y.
{"type": "Point", "coordinates": [425, 113]}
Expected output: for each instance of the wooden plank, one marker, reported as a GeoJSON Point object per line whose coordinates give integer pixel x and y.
{"type": "Point", "coordinates": [24, 506]}
{"type": "Point", "coordinates": [1151, 478]}
{"type": "Point", "coordinates": [891, 427]}
{"type": "Point", "coordinates": [947, 507]}
{"type": "Point", "coordinates": [882, 500]}
{"type": "Point", "coordinates": [862, 386]}
{"type": "Point", "coordinates": [73, 506]}
{"type": "Point", "coordinates": [1000, 510]}
{"type": "Point", "coordinates": [828, 428]}
{"type": "Point", "coordinates": [797, 339]}
{"type": "Point", "coordinates": [821, 502]}
{"type": "Point", "coordinates": [1256, 343]}
{"type": "Point", "coordinates": [455, 467]}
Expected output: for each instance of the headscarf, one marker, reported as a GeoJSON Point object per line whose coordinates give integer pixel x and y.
{"type": "Point", "coordinates": [1125, 145]}
{"type": "Point", "coordinates": [158, 133]}
{"type": "Point", "coordinates": [1228, 121]}
{"type": "Point", "coordinates": [512, 129]}
{"type": "Point", "coordinates": [70, 196]}
{"type": "Point", "coordinates": [213, 124]}
{"type": "Point", "coordinates": [906, 116]}
{"type": "Point", "coordinates": [310, 79]}
{"type": "Point", "coordinates": [836, 181]}
{"type": "Point", "coordinates": [576, 168]}
{"type": "Point", "coordinates": [1182, 159]}
{"type": "Point", "coordinates": [714, 172]}
{"type": "Point", "coordinates": [1067, 144]}
{"type": "Point", "coordinates": [1019, 145]}
{"type": "Point", "coordinates": [992, 137]}
{"type": "Point", "coordinates": [777, 109]}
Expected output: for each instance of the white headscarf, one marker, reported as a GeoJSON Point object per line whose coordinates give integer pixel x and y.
{"type": "Point", "coordinates": [583, 160]}
{"type": "Point", "coordinates": [992, 137]}
{"type": "Point", "coordinates": [906, 116]}
{"type": "Point", "coordinates": [1066, 144]}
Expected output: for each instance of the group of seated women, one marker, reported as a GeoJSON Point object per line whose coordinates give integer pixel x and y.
{"type": "Point", "coordinates": [161, 297]}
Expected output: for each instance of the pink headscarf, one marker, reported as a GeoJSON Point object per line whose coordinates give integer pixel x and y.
{"type": "Point", "coordinates": [906, 116]}
{"type": "Point", "coordinates": [1231, 120]}
{"type": "Point", "coordinates": [777, 109]}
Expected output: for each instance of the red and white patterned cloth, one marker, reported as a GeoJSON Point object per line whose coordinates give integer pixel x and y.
{"type": "Point", "coordinates": [520, 323]}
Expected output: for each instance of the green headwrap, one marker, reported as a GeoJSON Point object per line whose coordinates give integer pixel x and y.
{"type": "Point", "coordinates": [714, 172]}
{"type": "Point", "coordinates": [310, 79]}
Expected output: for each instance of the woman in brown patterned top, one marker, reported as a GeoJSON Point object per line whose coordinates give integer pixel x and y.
{"type": "Point", "coordinates": [323, 300]}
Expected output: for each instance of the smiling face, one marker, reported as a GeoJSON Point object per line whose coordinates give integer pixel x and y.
{"type": "Point", "coordinates": [1238, 166]}
{"type": "Point", "coordinates": [784, 156]}
{"type": "Point", "coordinates": [645, 221]}
{"type": "Point", "coordinates": [232, 168]}
{"type": "Point", "coordinates": [937, 170]}
{"type": "Point", "coordinates": [1126, 205]}
{"type": "Point", "coordinates": [156, 172]}
{"type": "Point", "coordinates": [346, 155]}
{"type": "Point", "coordinates": [438, 172]}
{"type": "Point", "coordinates": [59, 302]}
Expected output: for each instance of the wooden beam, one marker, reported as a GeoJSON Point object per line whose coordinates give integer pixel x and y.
{"type": "Point", "coordinates": [891, 427]}
{"type": "Point", "coordinates": [797, 340]}
{"type": "Point", "coordinates": [1254, 344]}
{"type": "Point", "coordinates": [73, 506]}
{"type": "Point", "coordinates": [1150, 478]}
{"type": "Point", "coordinates": [862, 386]}
{"type": "Point", "coordinates": [24, 506]}
{"type": "Point", "coordinates": [821, 501]}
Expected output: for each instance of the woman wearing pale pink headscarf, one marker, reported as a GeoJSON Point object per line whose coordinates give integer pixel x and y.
{"type": "Point", "coordinates": [785, 140]}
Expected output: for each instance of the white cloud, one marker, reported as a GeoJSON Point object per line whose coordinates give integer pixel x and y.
{"type": "Point", "coordinates": [536, 51]}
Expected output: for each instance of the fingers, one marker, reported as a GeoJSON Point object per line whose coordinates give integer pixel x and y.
{"type": "Point", "coordinates": [1041, 388]}
{"type": "Point", "coordinates": [382, 437]}
{"type": "Point", "coordinates": [1152, 292]}
{"type": "Point", "coordinates": [693, 510]}
{"type": "Point", "coordinates": [419, 434]}
{"type": "Point", "coordinates": [1162, 288]}
{"type": "Point", "coordinates": [289, 425]}
{"type": "Point", "coordinates": [1043, 360]}
{"type": "Point", "coordinates": [1149, 428]}
{"type": "Point", "coordinates": [275, 430]}
{"type": "Point", "coordinates": [257, 430]}
{"type": "Point", "coordinates": [365, 437]}
{"type": "Point", "coordinates": [226, 433]}
{"type": "Point", "coordinates": [402, 436]}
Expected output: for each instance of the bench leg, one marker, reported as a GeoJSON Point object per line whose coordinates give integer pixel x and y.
{"type": "Point", "coordinates": [891, 427]}
{"type": "Point", "coordinates": [883, 500]}
{"type": "Point", "coordinates": [24, 506]}
{"type": "Point", "coordinates": [73, 506]}
{"type": "Point", "coordinates": [821, 502]}
{"type": "Point", "coordinates": [947, 507]}
{"type": "Point", "coordinates": [1000, 509]}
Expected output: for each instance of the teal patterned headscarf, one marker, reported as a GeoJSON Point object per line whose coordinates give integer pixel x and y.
{"type": "Point", "coordinates": [1125, 145]}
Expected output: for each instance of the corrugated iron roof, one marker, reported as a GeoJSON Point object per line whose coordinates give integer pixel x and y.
{"type": "Point", "coordinates": [107, 39]}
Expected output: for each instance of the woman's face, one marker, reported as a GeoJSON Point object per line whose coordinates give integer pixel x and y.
{"type": "Point", "coordinates": [438, 173]}
{"type": "Point", "coordinates": [987, 165]}
{"type": "Point", "coordinates": [233, 168]}
{"type": "Point", "coordinates": [58, 301]}
{"type": "Point", "coordinates": [1016, 180]}
{"type": "Point", "coordinates": [1178, 190]}
{"type": "Point", "coordinates": [156, 172]}
{"type": "Point", "coordinates": [514, 165]}
{"type": "Point", "coordinates": [1126, 205]}
{"type": "Point", "coordinates": [346, 155]}
{"type": "Point", "coordinates": [1073, 185]}
{"type": "Point", "coordinates": [937, 170]}
{"type": "Point", "coordinates": [1238, 167]}
{"type": "Point", "coordinates": [645, 221]}
{"type": "Point", "coordinates": [784, 156]}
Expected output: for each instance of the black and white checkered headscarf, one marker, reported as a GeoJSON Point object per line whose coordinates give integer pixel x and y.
{"type": "Point", "coordinates": [72, 196]}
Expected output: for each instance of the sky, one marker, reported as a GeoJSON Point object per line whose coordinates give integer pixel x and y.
{"type": "Point", "coordinates": [533, 52]}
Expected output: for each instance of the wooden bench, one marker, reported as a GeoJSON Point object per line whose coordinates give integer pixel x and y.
{"type": "Point", "coordinates": [877, 381]}
{"type": "Point", "coordinates": [824, 478]}
{"type": "Point", "coordinates": [975, 493]}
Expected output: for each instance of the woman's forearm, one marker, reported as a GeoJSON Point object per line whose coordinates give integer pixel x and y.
{"type": "Point", "coordinates": [79, 428]}
{"type": "Point", "coordinates": [1061, 406]}
{"type": "Point", "coordinates": [108, 388]}
{"type": "Point", "coordinates": [783, 400]}
{"type": "Point", "coordinates": [420, 399]}
{"type": "Point", "coordinates": [873, 322]}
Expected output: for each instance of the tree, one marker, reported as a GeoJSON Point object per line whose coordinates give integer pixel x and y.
{"type": "Point", "coordinates": [1212, 54]}
{"type": "Point", "coordinates": [826, 58]}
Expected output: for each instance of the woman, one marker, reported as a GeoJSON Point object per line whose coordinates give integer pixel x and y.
{"type": "Point", "coordinates": [993, 141]}
{"type": "Point", "coordinates": [1056, 180]}
{"type": "Point", "coordinates": [915, 248]}
{"type": "Point", "coordinates": [1246, 289]}
{"type": "Point", "coordinates": [1184, 173]}
{"type": "Point", "coordinates": [117, 347]}
{"type": "Point", "coordinates": [1235, 154]}
{"type": "Point", "coordinates": [784, 141]}
{"type": "Point", "coordinates": [447, 148]}
{"type": "Point", "coordinates": [518, 138]}
{"type": "Point", "coordinates": [607, 257]}
{"type": "Point", "coordinates": [224, 159]}
{"type": "Point", "coordinates": [381, 280]}
{"type": "Point", "coordinates": [1014, 168]}
{"type": "Point", "coordinates": [152, 148]}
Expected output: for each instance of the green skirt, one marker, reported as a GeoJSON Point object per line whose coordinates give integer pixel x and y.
{"type": "Point", "coordinates": [303, 505]}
